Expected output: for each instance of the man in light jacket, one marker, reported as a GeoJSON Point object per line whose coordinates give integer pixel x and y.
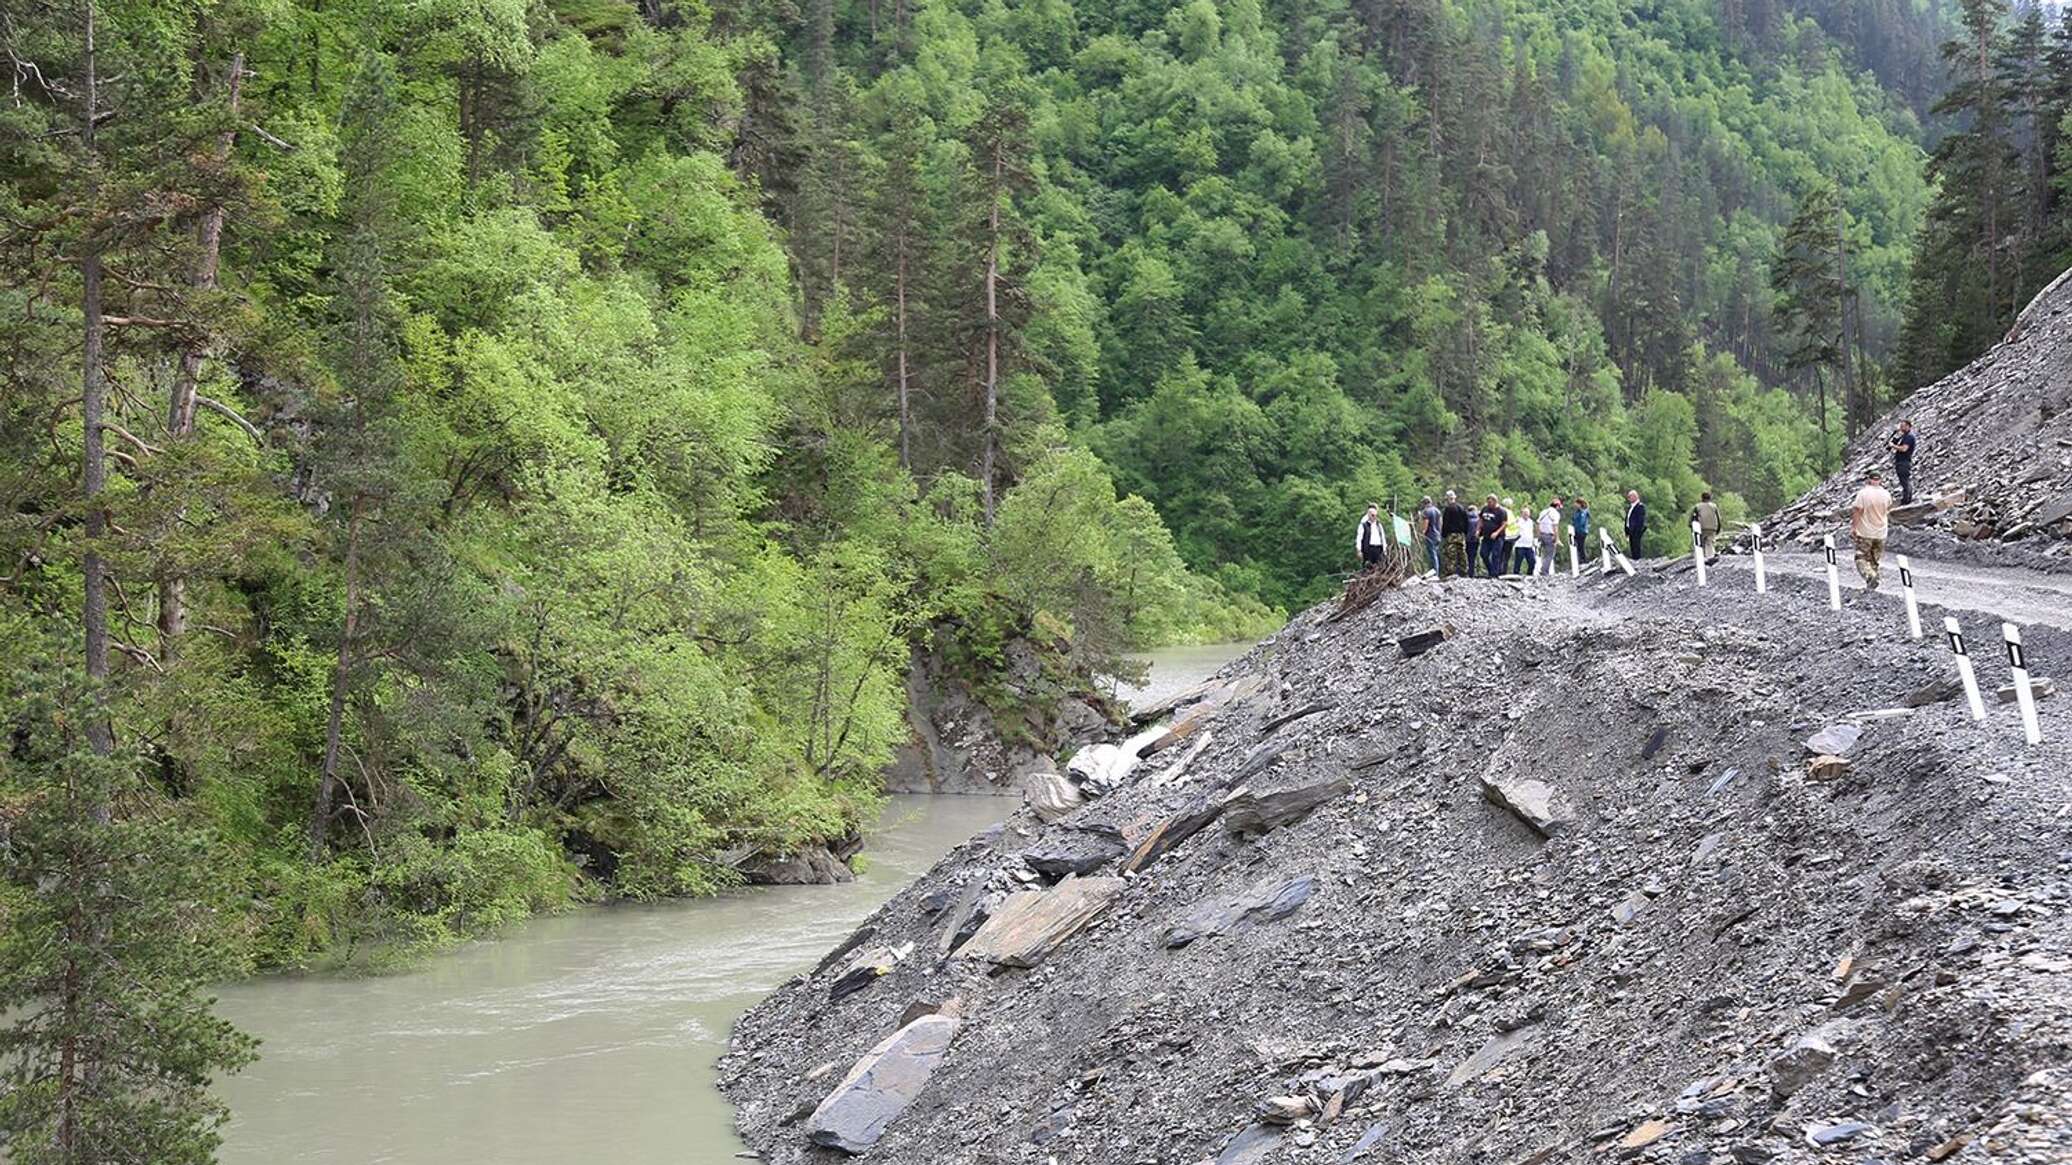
{"type": "Point", "coordinates": [1869, 521]}
{"type": "Point", "coordinates": [1706, 515]}
{"type": "Point", "coordinates": [1550, 531]}
{"type": "Point", "coordinates": [1369, 540]}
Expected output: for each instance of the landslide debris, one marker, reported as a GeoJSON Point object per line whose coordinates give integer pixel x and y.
{"type": "Point", "coordinates": [1993, 474]}
{"type": "Point", "coordinates": [1562, 888]}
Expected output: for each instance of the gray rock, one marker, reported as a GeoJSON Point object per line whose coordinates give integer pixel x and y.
{"type": "Point", "coordinates": [1249, 1147]}
{"type": "Point", "coordinates": [1265, 902]}
{"type": "Point", "coordinates": [1835, 1134]}
{"type": "Point", "coordinates": [881, 1085]}
{"type": "Point", "coordinates": [1259, 810]}
{"type": "Point", "coordinates": [1531, 801]}
{"type": "Point", "coordinates": [1074, 851]}
{"type": "Point", "coordinates": [1051, 796]}
{"type": "Point", "coordinates": [812, 866]}
{"type": "Point", "coordinates": [1498, 1049]}
{"type": "Point", "coordinates": [1795, 1067]}
{"type": "Point", "coordinates": [1367, 1143]}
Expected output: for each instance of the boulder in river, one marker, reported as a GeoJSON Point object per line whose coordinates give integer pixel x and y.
{"type": "Point", "coordinates": [814, 865]}
{"type": "Point", "coordinates": [880, 1085]}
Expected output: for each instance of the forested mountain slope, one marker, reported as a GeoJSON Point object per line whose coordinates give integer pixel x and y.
{"type": "Point", "coordinates": [1275, 260]}
{"type": "Point", "coordinates": [412, 475]}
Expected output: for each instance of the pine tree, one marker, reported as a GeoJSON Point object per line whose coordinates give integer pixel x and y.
{"type": "Point", "coordinates": [1811, 293]}
{"type": "Point", "coordinates": [109, 1048]}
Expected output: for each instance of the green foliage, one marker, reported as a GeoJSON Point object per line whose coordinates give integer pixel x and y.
{"type": "Point", "coordinates": [1288, 261]}
{"type": "Point", "coordinates": [115, 919]}
{"type": "Point", "coordinates": [1998, 229]}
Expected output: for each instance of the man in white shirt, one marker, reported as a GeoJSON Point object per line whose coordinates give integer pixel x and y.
{"type": "Point", "coordinates": [1870, 517]}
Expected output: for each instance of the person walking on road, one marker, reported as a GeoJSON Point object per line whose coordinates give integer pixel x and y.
{"type": "Point", "coordinates": [1428, 521]}
{"type": "Point", "coordinates": [1869, 520]}
{"type": "Point", "coordinates": [1494, 549]}
{"type": "Point", "coordinates": [1550, 534]}
{"type": "Point", "coordinates": [1636, 522]}
{"type": "Point", "coordinates": [1706, 515]}
{"type": "Point", "coordinates": [1903, 443]}
{"type": "Point", "coordinates": [1579, 528]}
{"type": "Point", "coordinates": [1453, 534]}
{"type": "Point", "coordinates": [1369, 541]}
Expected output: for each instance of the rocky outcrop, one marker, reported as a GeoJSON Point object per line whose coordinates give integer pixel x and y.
{"type": "Point", "coordinates": [958, 744]}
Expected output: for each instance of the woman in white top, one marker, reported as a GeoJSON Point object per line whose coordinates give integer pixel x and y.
{"type": "Point", "coordinates": [1518, 557]}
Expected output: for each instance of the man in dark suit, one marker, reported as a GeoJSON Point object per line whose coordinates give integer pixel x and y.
{"type": "Point", "coordinates": [1636, 522]}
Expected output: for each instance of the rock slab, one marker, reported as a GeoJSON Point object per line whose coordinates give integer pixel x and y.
{"type": "Point", "coordinates": [881, 1085]}
{"type": "Point", "coordinates": [1033, 923]}
{"type": "Point", "coordinates": [1259, 810]}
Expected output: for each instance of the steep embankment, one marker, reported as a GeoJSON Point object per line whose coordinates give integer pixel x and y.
{"type": "Point", "coordinates": [1709, 954]}
{"type": "Point", "coordinates": [1996, 445]}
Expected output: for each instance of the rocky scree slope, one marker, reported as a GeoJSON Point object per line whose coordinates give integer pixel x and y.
{"type": "Point", "coordinates": [1996, 450]}
{"type": "Point", "coordinates": [1700, 954]}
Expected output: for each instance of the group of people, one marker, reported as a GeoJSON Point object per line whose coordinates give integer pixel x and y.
{"type": "Point", "coordinates": [1503, 537]}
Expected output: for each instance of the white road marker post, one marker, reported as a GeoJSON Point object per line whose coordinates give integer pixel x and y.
{"type": "Point", "coordinates": [1964, 668]}
{"type": "Point", "coordinates": [1698, 550]}
{"type": "Point", "coordinates": [2019, 665]}
{"type": "Point", "coordinates": [1604, 542]}
{"type": "Point", "coordinates": [1906, 587]}
{"type": "Point", "coordinates": [1575, 561]}
{"type": "Point", "coordinates": [1834, 576]}
{"type": "Point", "coordinates": [1613, 552]}
{"type": "Point", "coordinates": [1762, 580]}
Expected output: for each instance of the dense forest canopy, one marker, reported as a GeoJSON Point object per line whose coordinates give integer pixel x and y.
{"type": "Point", "coordinates": [1275, 260]}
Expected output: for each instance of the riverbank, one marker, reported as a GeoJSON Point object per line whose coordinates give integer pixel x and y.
{"type": "Point", "coordinates": [586, 1033]}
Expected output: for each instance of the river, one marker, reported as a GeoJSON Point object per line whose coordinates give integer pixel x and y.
{"type": "Point", "coordinates": [587, 1034]}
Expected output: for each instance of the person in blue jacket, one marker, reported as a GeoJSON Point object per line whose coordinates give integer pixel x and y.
{"type": "Point", "coordinates": [1579, 525]}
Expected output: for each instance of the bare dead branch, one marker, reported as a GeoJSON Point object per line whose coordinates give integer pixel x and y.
{"type": "Point", "coordinates": [224, 410]}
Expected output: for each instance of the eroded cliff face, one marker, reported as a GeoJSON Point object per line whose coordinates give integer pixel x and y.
{"type": "Point", "coordinates": [1993, 469]}
{"type": "Point", "coordinates": [965, 740]}
{"type": "Point", "coordinates": [1623, 869]}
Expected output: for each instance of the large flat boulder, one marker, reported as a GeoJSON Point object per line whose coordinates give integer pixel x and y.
{"type": "Point", "coordinates": [1065, 852]}
{"type": "Point", "coordinates": [881, 1085]}
{"type": "Point", "coordinates": [1259, 810]}
{"type": "Point", "coordinates": [1275, 898]}
{"type": "Point", "coordinates": [1030, 925]}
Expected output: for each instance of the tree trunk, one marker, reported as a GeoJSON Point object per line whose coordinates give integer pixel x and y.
{"type": "Point", "coordinates": [1852, 384]}
{"type": "Point", "coordinates": [992, 333]}
{"type": "Point", "coordinates": [172, 585]}
{"type": "Point", "coordinates": [334, 724]}
{"type": "Point", "coordinates": [899, 297]}
{"type": "Point", "coordinates": [93, 476]}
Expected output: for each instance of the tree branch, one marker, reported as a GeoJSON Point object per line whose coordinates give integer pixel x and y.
{"type": "Point", "coordinates": [218, 407]}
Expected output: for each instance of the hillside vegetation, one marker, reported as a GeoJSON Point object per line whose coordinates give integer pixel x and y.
{"type": "Point", "coordinates": [1273, 261]}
